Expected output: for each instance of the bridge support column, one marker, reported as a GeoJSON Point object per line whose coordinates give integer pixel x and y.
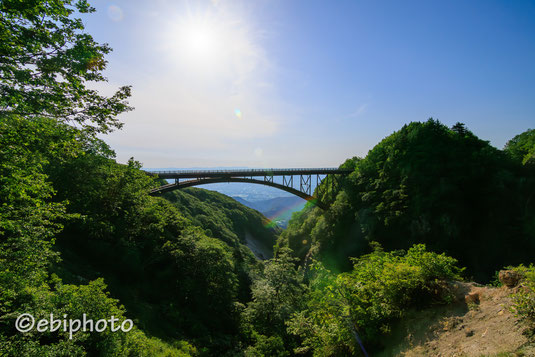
{"type": "Point", "coordinates": [305, 184]}
{"type": "Point", "coordinates": [289, 182]}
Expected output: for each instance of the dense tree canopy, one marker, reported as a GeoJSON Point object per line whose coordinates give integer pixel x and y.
{"type": "Point", "coordinates": [429, 184]}
{"type": "Point", "coordinates": [522, 147]}
{"type": "Point", "coordinates": [46, 61]}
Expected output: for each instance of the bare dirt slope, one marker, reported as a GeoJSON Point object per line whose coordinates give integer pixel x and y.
{"type": "Point", "coordinates": [480, 323]}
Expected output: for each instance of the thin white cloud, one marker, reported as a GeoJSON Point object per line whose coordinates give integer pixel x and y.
{"type": "Point", "coordinates": [360, 110]}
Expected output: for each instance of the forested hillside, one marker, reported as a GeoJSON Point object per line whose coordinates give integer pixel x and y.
{"type": "Point", "coordinates": [427, 183]}
{"type": "Point", "coordinates": [226, 219]}
{"type": "Point", "coordinates": [178, 278]}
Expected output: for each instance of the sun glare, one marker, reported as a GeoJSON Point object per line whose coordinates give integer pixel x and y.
{"type": "Point", "coordinates": [199, 40]}
{"type": "Point", "coordinates": [212, 42]}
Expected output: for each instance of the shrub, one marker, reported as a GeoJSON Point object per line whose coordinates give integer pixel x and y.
{"type": "Point", "coordinates": [359, 305]}
{"type": "Point", "coordinates": [524, 299]}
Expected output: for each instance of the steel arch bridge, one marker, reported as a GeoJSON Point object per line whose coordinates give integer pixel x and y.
{"type": "Point", "coordinates": [304, 177]}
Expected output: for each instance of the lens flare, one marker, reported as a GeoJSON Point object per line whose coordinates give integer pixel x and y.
{"type": "Point", "coordinates": [115, 13]}
{"type": "Point", "coordinates": [238, 113]}
{"type": "Point", "coordinates": [279, 215]}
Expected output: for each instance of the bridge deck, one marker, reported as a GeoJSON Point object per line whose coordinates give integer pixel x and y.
{"type": "Point", "coordinates": [178, 174]}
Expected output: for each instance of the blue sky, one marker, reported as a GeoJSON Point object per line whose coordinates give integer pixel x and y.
{"type": "Point", "coordinates": [280, 83]}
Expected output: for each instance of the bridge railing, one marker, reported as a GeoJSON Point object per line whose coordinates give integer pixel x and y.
{"type": "Point", "coordinates": [238, 171]}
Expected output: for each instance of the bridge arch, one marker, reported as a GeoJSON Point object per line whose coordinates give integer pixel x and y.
{"type": "Point", "coordinates": [305, 181]}
{"type": "Point", "coordinates": [205, 181]}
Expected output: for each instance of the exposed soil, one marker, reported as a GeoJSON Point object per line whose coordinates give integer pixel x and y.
{"type": "Point", "coordinates": [480, 323]}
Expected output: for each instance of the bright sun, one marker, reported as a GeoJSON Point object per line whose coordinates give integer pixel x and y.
{"type": "Point", "coordinates": [198, 39]}
{"type": "Point", "coordinates": [215, 44]}
{"type": "Point", "coordinates": [197, 43]}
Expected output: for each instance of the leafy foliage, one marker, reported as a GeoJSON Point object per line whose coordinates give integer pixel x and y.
{"type": "Point", "coordinates": [524, 298]}
{"type": "Point", "coordinates": [357, 307]}
{"type": "Point", "coordinates": [223, 217]}
{"type": "Point", "coordinates": [165, 267]}
{"type": "Point", "coordinates": [30, 223]}
{"type": "Point", "coordinates": [46, 60]}
{"type": "Point", "coordinates": [522, 147]}
{"type": "Point", "coordinates": [276, 295]}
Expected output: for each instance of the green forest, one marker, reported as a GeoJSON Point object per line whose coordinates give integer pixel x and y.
{"type": "Point", "coordinates": [80, 234]}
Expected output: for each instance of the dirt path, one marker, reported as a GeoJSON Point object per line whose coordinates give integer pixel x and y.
{"type": "Point", "coordinates": [479, 324]}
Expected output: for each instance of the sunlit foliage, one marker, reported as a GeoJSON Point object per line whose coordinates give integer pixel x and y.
{"type": "Point", "coordinates": [46, 60]}
{"type": "Point", "coordinates": [349, 311]}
